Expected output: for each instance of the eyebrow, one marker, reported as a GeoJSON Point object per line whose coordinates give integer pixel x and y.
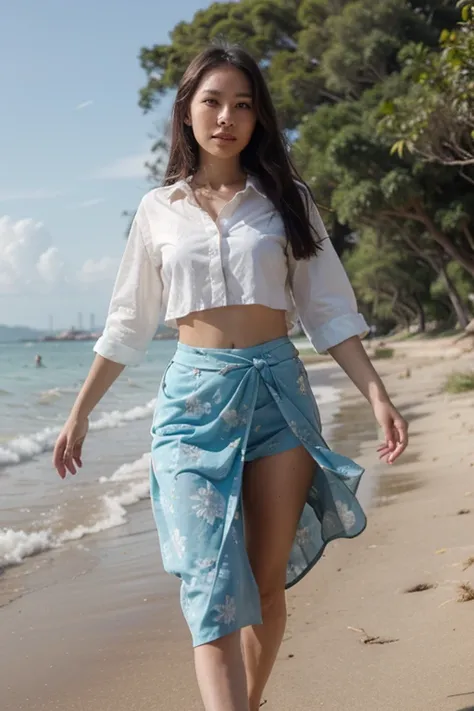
{"type": "Point", "coordinates": [216, 92]}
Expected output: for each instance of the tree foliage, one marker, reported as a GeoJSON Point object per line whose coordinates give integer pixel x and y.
{"type": "Point", "coordinates": [434, 118]}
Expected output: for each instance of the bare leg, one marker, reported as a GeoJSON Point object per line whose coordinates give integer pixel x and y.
{"type": "Point", "coordinates": [275, 490]}
{"type": "Point", "coordinates": [220, 673]}
{"type": "Point", "coordinates": [261, 644]}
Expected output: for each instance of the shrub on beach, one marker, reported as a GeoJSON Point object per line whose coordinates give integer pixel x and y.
{"type": "Point", "coordinates": [384, 353]}
{"type": "Point", "coordinates": [459, 382]}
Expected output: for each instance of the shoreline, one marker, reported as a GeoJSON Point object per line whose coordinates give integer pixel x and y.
{"type": "Point", "coordinates": [86, 571]}
{"type": "Point", "coordinates": [120, 657]}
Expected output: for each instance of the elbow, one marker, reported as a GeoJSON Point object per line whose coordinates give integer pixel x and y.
{"type": "Point", "coordinates": [341, 328]}
{"type": "Point", "coordinates": [115, 349]}
{"type": "Point", "coordinates": [126, 335]}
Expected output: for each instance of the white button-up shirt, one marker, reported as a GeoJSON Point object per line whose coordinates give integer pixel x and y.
{"type": "Point", "coordinates": [179, 260]}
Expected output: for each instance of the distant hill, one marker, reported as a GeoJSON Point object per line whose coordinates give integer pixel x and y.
{"type": "Point", "coordinates": [18, 333]}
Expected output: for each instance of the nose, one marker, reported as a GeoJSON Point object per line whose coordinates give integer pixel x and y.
{"type": "Point", "coordinates": [225, 117]}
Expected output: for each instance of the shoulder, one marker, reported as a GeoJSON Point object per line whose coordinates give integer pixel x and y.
{"type": "Point", "coordinates": [153, 205]}
{"type": "Point", "coordinates": [307, 197]}
{"type": "Point", "coordinates": [312, 210]}
{"type": "Point", "coordinates": [157, 196]}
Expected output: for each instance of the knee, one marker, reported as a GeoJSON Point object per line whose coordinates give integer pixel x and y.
{"type": "Point", "coordinates": [272, 595]}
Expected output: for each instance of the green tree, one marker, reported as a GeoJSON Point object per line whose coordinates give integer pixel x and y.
{"type": "Point", "coordinates": [404, 274]}
{"type": "Point", "coordinates": [344, 160]}
{"type": "Point", "coordinates": [388, 280]}
{"type": "Point", "coordinates": [302, 46]}
{"type": "Point", "coordinates": [433, 116]}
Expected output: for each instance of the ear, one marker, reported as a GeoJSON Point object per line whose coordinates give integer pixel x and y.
{"type": "Point", "coordinates": [187, 121]}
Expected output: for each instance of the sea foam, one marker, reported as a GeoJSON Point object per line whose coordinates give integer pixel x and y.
{"type": "Point", "coordinates": [26, 447]}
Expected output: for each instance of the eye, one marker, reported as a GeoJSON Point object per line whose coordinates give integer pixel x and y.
{"type": "Point", "coordinates": [244, 105]}
{"type": "Point", "coordinates": [210, 102]}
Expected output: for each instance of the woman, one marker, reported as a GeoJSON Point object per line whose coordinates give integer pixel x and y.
{"type": "Point", "coordinates": [244, 491]}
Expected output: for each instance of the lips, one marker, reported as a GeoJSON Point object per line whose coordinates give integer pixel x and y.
{"type": "Point", "coordinates": [224, 137]}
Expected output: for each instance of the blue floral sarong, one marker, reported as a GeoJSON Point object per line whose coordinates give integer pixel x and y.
{"type": "Point", "coordinates": [217, 409]}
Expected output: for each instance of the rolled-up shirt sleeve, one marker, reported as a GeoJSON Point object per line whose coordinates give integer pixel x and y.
{"type": "Point", "coordinates": [136, 302]}
{"type": "Point", "coordinates": [322, 293]}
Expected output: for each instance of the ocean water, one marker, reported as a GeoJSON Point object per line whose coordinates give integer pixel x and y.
{"type": "Point", "coordinates": [40, 512]}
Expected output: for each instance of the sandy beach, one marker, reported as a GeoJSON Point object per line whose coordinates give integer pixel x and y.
{"type": "Point", "coordinates": [357, 638]}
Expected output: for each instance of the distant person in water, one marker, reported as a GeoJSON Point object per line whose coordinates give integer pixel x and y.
{"type": "Point", "coordinates": [39, 361]}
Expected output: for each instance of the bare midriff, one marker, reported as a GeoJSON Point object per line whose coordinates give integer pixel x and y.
{"type": "Point", "coordinates": [232, 327]}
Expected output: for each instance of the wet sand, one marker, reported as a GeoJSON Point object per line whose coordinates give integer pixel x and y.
{"type": "Point", "coordinates": [104, 631]}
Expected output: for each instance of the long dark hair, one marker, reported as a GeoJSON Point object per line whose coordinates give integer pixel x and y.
{"type": "Point", "coordinates": [265, 156]}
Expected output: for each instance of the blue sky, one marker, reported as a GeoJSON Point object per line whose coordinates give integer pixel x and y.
{"type": "Point", "coordinates": [72, 143]}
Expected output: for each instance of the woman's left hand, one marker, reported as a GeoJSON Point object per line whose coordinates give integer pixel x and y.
{"type": "Point", "coordinates": [395, 429]}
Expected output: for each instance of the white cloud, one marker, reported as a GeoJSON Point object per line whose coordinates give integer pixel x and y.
{"type": "Point", "coordinates": [83, 105]}
{"type": "Point", "coordinates": [100, 270]}
{"type": "Point", "coordinates": [91, 203]}
{"type": "Point", "coordinates": [50, 265]}
{"type": "Point", "coordinates": [39, 194]}
{"type": "Point", "coordinates": [28, 260]}
{"type": "Point", "coordinates": [32, 266]}
{"type": "Point", "coordinates": [132, 166]}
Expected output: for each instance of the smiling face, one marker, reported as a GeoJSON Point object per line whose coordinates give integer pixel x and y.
{"type": "Point", "coordinates": [221, 112]}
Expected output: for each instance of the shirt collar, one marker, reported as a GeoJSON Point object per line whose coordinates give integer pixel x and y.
{"type": "Point", "coordinates": [182, 188]}
{"type": "Point", "coordinates": [254, 183]}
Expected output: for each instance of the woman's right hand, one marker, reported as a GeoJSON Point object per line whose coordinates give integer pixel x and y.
{"type": "Point", "coordinates": [68, 449]}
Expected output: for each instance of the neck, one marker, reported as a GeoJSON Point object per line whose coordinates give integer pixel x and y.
{"type": "Point", "coordinates": [217, 173]}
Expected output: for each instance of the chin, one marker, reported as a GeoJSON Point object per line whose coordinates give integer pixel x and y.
{"type": "Point", "coordinates": [220, 149]}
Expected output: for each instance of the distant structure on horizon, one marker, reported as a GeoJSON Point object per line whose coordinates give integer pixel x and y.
{"type": "Point", "coordinates": [93, 333]}
{"type": "Point", "coordinates": [72, 334]}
